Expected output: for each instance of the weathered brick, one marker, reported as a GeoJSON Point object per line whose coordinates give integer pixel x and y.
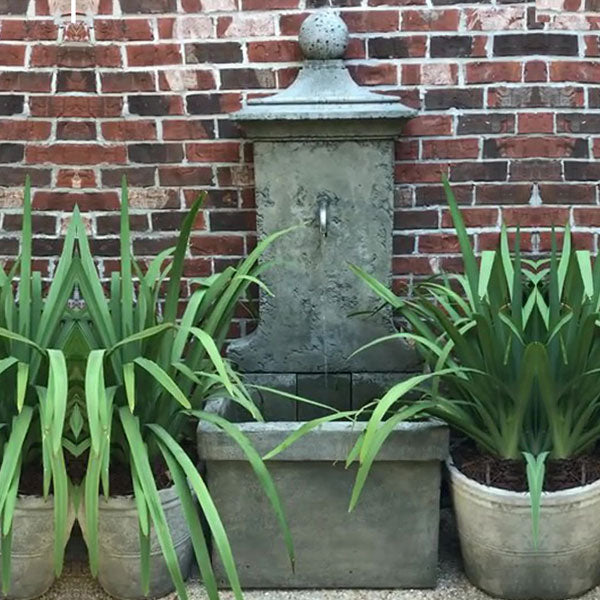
{"type": "Point", "coordinates": [129, 130]}
{"type": "Point", "coordinates": [76, 106]}
{"type": "Point", "coordinates": [151, 55]}
{"type": "Point", "coordinates": [211, 52]}
{"type": "Point", "coordinates": [11, 105]}
{"type": "Point", "coordinates": [22, 81]}
{"type": "Point", "coordinates": [443, 99]}
{"type": "Point", "coordinates": [155, 153]}
{"type": "Point", "coordinates": [456, 46]}
{"type": "Point", "coordinates": [486, 123]}
{"type": "Point", "coordinates": [148, 6]}
{"type": "Point", "coordinates": [75, 154]}
{"type": "Point", "coordinates": [535, 97]}
{"type": "Point", "coordinates": [114, 83]}
{"type": "Point", "coordinates": [535, 147]}
{"type": "Point", "coordinates": [76, 81]}
{"type": "Point", "coordinates": [549, 44]}
{"type": "Point", "coordinates": [153, 105]}
{"type": "Point", "coordinates": [76, 130]}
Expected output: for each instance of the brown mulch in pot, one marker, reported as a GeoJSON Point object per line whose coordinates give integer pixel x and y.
{"type": "Point", "coordinates": [511, 475]}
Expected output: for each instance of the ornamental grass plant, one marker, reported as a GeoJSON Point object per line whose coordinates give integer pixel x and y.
{"type": "Point", "coordinates": [33, 376]}
{"type": "Point", "coordinates": [512, 353]}
{"type": "Point", "coordinates": [148, 378]}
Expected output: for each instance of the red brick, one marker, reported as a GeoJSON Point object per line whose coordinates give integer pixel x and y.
{"type": "Point", "coordinates": [12, 55]}
{"type": "Point", "coordinates": [371, 21]}
{"type": "Point", "coordinates": [76, 106]}
{"type": "Point", "coordinates": [489, 72]}
{"type": "Point", "coordinates": [533, 147]}
{"type": "Point", "coordinates": [218, 245]}
{"type": "Point", "coordinates": [187, 129]}
{"type": "Point", "coordinates": [213, 152]}
{"type": "Point", "coordinates": [269, 4]}
{"type": "Point", "coordinates": [43, 200]}
{"type": "Point", "coordinates": [420, 172]}
{"type": "Point", "coordinates": [536, 123]}
{"type": "Point", "coordinates": [586, 217]}
{"type": "Point", "coordinates": [11, 29]}
{"type": "Point", "coordinates": [430, 20]}
{"type": "Point", "coordinates": [179, 176]}
{"type": "Point", "coordinates": [380, 74]}
{"type": "Point", "coordinates": [407, 150]}
{"type": "Point", "coordinates": [474, 217]}
{"type": "Point", "coordinates": [129, 130]}
{"type": "Point", "coordinates": [80, 57]}
{"type": "Point", "coordinates": [20, 81]}
{"type": "Point", "coordinates": [180, 80]}
{"type": "Point", "coordinates": [28, 130]}
{"type": "Point", "coordinates": [503, 194]}
{"type": "Point", "coordinates": [536, 71]}
{"type": "Point", "coordinates": [459, 148]}
{"type": "Point", "coordinates": [123, 30]}
{"type": "Point", "coordinates": [565, 193]}
{"type": "Point", "coordinates": [149, 55]}
{"type": "Point", "coordinates": [429, 125]}
{"type": "Point", "coordinates": [274, 51]}
{"type": "Point", "coordinates": [76, 178]}
{"type": "Point", "coordinates": [416, 219]}
{"type": "Point", "coordinates": [131, 81]}
{"type": "Point", "coordinates": [535, 216]}
{"type": "Point", "coordinates": [581, 72]}
{"type": "Point", "coordinates": [438, 243]}
{"type": "Point", "coordinates": [76, 154]}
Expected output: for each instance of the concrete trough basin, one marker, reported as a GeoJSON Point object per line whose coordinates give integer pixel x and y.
{"type": "Point", "coordinates": [390, 540]}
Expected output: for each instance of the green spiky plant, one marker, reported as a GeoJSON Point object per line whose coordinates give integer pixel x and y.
{"type": "Point", "coordinates": [34, 382]}
{"type": "Point", "coordinates": [513, 350]}
{"type": "Point", "coordinates": [148, 378]}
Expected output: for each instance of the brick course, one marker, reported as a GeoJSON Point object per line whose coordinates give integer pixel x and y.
{"type": "Point", "coordinates": [508, 93]}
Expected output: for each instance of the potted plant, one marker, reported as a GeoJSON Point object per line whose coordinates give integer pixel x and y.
{"type": "Point", "coordinates": [34, 488]}
{"type": "Point", "coordinates": [515, 345]}
{"type": "Point", "coordinates": [148, 377]}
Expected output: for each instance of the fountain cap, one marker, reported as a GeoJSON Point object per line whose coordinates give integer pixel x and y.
{"type": "Point", "coordinates": [323, 36]}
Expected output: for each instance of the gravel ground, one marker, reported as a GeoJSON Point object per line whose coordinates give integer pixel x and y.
{"type": "Point", "coordinates": [77, 584]}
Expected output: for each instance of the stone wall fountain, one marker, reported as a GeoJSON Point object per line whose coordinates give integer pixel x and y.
{"type": "Point", "coordinates": [324, 158]}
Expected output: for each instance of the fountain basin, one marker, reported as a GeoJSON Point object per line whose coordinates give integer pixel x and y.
{"type": "Point", "coordinates": [390, 540]}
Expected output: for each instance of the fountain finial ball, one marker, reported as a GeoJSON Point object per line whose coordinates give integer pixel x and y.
{"type": "Point", "coordinates": [323, 36]}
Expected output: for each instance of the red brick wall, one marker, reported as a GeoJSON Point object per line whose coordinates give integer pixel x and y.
{"type": "Point", "coordinates": [508, 97]}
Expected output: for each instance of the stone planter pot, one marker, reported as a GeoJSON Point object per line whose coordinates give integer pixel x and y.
{"type": "Point", "coordinates": [32, 556]}
{"type": "Point", "coordinates": [119, 546]}
{"type": "Point", "coordinates": [494, 527]}
{"type": "Point", "coordinates": [390, 540]}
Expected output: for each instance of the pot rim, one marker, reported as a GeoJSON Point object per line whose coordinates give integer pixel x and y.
{"type": "Point", "coordinates": [127, 501]}
{"type": "Point", "coordinates": [522, 498]}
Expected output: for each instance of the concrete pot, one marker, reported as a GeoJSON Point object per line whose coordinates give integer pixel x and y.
{"type": "Point", "coordinates": [494, 527]}
{"type": "Point", "coordinates": [389, 541]}
{"type": "Point", "coordinates": [32, 556]}
{"type": "Point", "coordinates": [119, 546]}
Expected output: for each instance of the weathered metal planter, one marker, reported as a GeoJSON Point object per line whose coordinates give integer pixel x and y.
{"type": "Point", "coordinates": [389, 541]}
{"type": "Point", "coordinates": [494, 527]}
{"type": "Point", "coordinates": [119, 557]}
{"type": "Point", "coordinates": [32, 559]}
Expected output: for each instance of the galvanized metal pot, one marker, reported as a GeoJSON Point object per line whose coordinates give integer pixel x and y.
{"type": "Point", "coordinates": [495, 532]}
{"type": "Point", "coordinates": [119, 557]}
{"type": "Point", "coordinates": [32, 558]}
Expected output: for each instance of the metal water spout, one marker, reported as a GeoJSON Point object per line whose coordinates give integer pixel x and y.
{"type": "Point", "coordinates": [323, 210]}
{"type": "Point", "coordinates": [323, 157]}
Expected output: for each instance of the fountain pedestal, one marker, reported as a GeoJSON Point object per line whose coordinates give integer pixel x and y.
{"type": "Point", "coordinates": [324, 160]}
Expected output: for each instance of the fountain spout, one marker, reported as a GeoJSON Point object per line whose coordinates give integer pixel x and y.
{"type": "Point", "coordinates": [323, 201]}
